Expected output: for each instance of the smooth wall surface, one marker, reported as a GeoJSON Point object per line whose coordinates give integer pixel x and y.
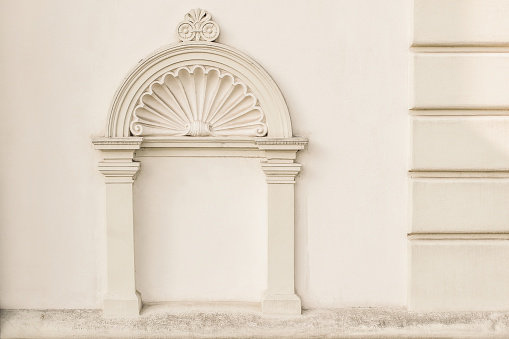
{"type": "Point", "coordinates": [342, 66]}
{"type": "Point", "coordinates": [201, 229]}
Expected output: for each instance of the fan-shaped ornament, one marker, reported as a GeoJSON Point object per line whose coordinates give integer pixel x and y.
{"type": "Point", "coordinates": [198, 101]}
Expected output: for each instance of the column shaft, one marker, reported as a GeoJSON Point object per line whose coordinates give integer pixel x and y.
{"type": "Point", "coordinates": [122, 300]}
{"type": "Point", "coordinates": [280, 239]}
{"type": "Point", "coordinates": [280, 170]}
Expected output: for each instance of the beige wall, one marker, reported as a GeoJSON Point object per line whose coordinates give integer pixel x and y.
{"type": "Point", "coordinates": [342, 66]}
{"type": "Point", "coordinates": [459, 156]}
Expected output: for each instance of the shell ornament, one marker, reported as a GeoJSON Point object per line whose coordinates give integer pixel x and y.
{"type": "Point", "coordinates": [198, 101]}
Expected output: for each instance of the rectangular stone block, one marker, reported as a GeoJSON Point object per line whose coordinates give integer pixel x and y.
{"type": "Point", "coordinates": [461, 22]}
{"type": "Point", "coordinates": [458, 275]}
{"type": "Point", "coordinates": [460, 143]}
{"type": "Point", "coordinates": [460, 80]}
{"type": "Point", "coordinates": [448, 205]}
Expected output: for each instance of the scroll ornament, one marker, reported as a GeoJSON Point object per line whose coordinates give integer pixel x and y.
{"type": "Point", "coordinates": [198, 26]}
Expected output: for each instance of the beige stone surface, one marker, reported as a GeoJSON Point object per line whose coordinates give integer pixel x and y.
{"type": "Point", "coordinates": [459, 143]}
{"type": "Point", "coordinates": [446, 205]}
{"type": "Point", "coordinates": [459, 158]}
{"type": "Point", "coordinates": [458, 275]}
{"type": "Point", "coordinates": [461, 22]}
{"type": "Point", "coordinates": [460, 80]}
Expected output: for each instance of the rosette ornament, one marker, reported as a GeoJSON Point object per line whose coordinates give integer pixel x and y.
{"type": "Point", "coordinates": [197, 25]}
{"type": "Point", "coordinates": [198, 101]}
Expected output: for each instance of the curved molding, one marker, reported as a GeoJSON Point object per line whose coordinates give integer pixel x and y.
{"type": "Point", "coordinates": [198, 101]}
{"type": "Point", "coordinates": [208, 55]}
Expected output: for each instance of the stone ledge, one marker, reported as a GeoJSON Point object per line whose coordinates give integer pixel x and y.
{"type": "Point", "coordinates": [227, 320]}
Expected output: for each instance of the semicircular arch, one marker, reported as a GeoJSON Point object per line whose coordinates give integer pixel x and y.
{"type": "Point", "coordinates": [206, 54]}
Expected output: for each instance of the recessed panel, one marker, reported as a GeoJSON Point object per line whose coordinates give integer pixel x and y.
{"type": "Point", "coordinates": [459, 275]}
{"type": "Point", "coordinates": [460, 143]}
{"type": "Point", "coordinates": [461, 22]}
{"type": "Point", "coordinates": [447, 205]}
{"type": "Point", "coordinates": [460, 80]}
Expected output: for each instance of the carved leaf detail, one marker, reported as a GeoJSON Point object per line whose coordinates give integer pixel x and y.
{"type": "Point", "coordinates": [198, 101]}
{"type": "Point", "coordinates": [198, 25]}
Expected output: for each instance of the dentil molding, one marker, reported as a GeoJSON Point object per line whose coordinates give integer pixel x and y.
{"type": "Point", "coordinates": [199, 98]}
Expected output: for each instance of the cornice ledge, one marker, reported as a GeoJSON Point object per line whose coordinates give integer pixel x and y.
{"type": "Point", "coordinates": [118, 143]}
{"type": "Point", "coordinates": [293, 143]}
{"type": "Point", "coordinates": [198, 142]}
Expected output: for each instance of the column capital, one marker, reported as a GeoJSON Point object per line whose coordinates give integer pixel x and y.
{"type": "Point", "coordinates": [118, 149]}
{"type": "Point", "coordinates": [281, 150]}
{"type": "Point", "coordinates": [119, 172]}
{"type": "Point", "coordinates": [281, 173]}
{"type": "Point", "coordinates": [118, 166]}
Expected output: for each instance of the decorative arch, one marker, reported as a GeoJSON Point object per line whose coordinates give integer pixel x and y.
{"type": "Point", "coordinates": [198, 98]}
{"type": "Point", "coordinates": [203, 53]}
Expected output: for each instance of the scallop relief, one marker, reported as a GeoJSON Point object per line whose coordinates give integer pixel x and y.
{"type": "Point", "coordinates": [198, 102]}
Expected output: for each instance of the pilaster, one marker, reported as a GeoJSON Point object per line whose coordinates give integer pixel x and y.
{"type": "Point", "coordinates": [119, 170]}
{"type": "Point", "coordinates": [280, 169]}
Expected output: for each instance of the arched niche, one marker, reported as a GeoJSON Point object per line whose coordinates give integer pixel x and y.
{"type": "Point", "coordinates": [148, 116]}
{"type": "Point", "coordinates": [202, 53]}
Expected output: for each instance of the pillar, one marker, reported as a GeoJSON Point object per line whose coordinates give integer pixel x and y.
{"type": "Point", "coordinates": [122, 300]}
{"type": "Point", "coordinates": [280, 170]}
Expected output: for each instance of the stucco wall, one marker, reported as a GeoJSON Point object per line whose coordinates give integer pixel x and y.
{"type": "Point", "coordinates": [459, 156]}
{"type": "Point", "coordinates": [342, 66]}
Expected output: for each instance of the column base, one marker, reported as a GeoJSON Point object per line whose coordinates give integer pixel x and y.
{"type": "Point", "coordinates": [281, 304]}
{"type": "Point", "coordinates": [117, 307]}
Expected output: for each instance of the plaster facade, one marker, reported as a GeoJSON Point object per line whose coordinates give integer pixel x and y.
{"type": "Point", "coordinates": [401, 193]}
{"type": "Point", "coordinates": [458, 111]}
{"type": "Point", "coordinates": [62, 264]}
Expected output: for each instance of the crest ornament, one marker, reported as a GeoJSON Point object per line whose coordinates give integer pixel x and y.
{"type": "Point", "coordinates": [198, 26]}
